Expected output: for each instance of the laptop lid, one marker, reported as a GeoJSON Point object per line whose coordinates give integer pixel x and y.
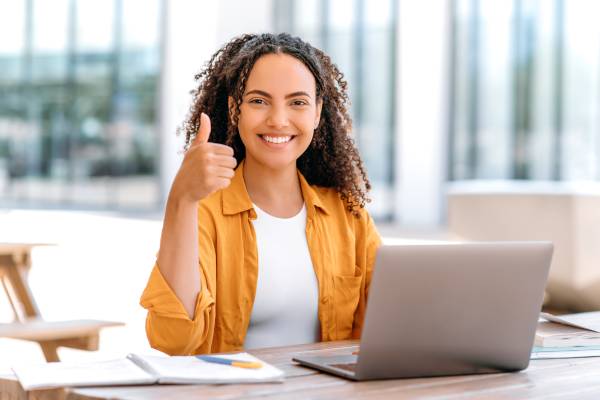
{"type": "Point", "coordinates": [448, 309]}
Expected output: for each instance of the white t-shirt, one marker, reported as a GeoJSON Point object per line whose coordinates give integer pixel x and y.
{"type": "Point", "coordinates": [286, 302]}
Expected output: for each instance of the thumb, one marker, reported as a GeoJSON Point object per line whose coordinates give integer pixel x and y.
{"type": "Point", "coordinates": [204, 130]}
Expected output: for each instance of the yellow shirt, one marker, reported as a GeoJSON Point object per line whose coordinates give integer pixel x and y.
{"type": "Point", "coordinates": [342, 248]}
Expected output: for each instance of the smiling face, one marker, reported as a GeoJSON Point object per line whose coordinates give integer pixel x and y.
{"type": "Point", "coordinates": [279, 111]}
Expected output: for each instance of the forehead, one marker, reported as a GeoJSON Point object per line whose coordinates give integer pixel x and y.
{"type": "Point", "coordinates": [280, 74]}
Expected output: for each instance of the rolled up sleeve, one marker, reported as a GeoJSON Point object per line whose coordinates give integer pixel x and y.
{"type": "Point", "coordinates": [168, 326]}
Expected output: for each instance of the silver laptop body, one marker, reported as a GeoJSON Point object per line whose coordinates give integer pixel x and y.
{"type": "Point", "coordinates": [447, 309]}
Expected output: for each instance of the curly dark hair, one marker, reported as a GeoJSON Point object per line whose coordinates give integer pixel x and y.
{"type": "Point", "coordinates": [332, 159]}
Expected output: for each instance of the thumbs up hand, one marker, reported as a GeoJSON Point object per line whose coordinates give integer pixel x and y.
{"type": "Point", "coordinates": [204, 131]}
{"type": "Point", "coordinates": [206, 167]}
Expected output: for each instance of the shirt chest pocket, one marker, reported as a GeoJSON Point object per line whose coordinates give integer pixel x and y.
{"type": "Point", "coordinates": [346, 295]}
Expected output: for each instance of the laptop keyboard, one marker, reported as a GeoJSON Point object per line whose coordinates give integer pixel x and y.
{"type": "Point", "coordinates": [346, 367]}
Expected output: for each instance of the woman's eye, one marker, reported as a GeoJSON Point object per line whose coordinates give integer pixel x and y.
{"type": "Point", "coordinates": [299, 103]}
{"type": "Point", "coordinates": [257, 101]}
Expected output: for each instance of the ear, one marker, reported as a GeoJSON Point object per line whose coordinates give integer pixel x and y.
{"type": "Point", "coordinates": [231, 106]}
{"type": "Point", "coordinates": [318, 116]}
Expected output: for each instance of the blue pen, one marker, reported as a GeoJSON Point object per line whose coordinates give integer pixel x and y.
{"type": "Point", "coordinates": [234, 363]}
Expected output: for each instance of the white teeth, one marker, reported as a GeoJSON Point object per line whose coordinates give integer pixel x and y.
{"type": "Point", "coordinates": [277, 139]}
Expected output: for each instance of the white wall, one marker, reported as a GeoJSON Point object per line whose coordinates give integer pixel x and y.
{"type": "Point", "coordinates": [424, 34]}
{"type": "Point", "coordinates": [194, 31]}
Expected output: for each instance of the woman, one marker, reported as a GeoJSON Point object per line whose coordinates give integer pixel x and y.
{"type": "Point", "coordinates": [265, 238]}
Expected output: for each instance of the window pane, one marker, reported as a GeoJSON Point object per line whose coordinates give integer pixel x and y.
{"type": "Point", "coordinates": [580, 143]}
{"type": "Point", "coordinates": [544, 94]}
{"type": "Point", "coordinates": [494, 123]}
{"type": "Point", "coordinates": [359, 37]}
{"type": "Point", "coordinates": [78, 116]}
{"type": "Point", "coordinates": [541, 120]}
{"type": "Point", "coordinates": [307, 15]}
{"type": "Point", "coordinates": [12, 27]}
{"type": "Point", "coordinates": [376, 125]}
{"type": "Point", "coordinates": [462, 167]}
{"type": "Point", "coordinates": [95, 25]}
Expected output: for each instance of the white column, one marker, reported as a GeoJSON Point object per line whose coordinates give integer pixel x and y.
{"type": "Point", "coordinates": [190, 39]}
{"type": "Point", "coordinates": [423, 72]}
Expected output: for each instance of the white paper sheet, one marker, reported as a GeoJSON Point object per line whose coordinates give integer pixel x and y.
{"type": "Point", "coordinates": [565, 354]}
{"type": "Point", "coordinates": [96, 373]}
{"type": "Point", "coordinates": [189, 369]}
{"type": "Point", "coordinates": [588, 320]}
{"type": "Point", "coordinates": [138, 369]}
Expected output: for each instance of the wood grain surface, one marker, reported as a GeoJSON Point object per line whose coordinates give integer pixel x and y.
{"type": "Point", "coordinates": [577, 378]}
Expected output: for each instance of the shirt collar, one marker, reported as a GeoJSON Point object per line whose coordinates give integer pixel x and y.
{"type": "Point", "coordinates": [235, 197]}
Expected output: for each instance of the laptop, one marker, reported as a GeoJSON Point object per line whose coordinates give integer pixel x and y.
{"type": "Point", "coordinates": [446, 309]}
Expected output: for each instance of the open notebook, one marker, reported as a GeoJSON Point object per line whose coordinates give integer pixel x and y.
{"type": "Point", "coordinates": [582, 329]}
{"type": "Point", "coordinates": [567, 336]}
{"type": "Point", "coordinates": [141, 370]}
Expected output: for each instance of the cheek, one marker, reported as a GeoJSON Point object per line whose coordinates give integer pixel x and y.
{"type": "Point", "coordinates": [305, 121]}
{"type": "Point", "coordinates": [246, 121]}
{"type": "Point", "coordinates": [307, 136]}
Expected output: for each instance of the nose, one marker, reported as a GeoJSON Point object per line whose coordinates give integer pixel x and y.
{"type": "Point", "coordinates": [277, 117]}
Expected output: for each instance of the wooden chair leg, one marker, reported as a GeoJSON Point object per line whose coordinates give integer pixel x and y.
{"type": "Point", "coordinates": [49, 349]}
{"type": "Point", "coordinates": [16, 272]}
{"type": "Point", "coordinates": [9, 296]}
{"type": "Point", "coordinates": [19, 285]}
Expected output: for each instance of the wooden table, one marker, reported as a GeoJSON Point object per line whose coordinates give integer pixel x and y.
{"type": "Point", "coordinates": [15, 262]}
{"type": "Point", "coordinates": [577, 378]}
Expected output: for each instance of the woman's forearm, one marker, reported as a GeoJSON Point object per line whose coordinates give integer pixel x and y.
{"type": "Point", "coordinates": [206, 168]}
{"type": "Point", "coordinates": [178, 258]}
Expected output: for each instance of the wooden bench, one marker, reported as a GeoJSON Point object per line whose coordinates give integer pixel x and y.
{"type": "Point", "coordinates": [15, 261]}
{"type": "Point", "coordinates": [79, 334]}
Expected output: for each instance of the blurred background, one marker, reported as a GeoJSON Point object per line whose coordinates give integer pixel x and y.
{"type": "Point", "coordinates": [476, 119]}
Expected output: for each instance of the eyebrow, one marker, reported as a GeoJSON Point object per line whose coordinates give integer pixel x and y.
{"type": "Point", "coordinates": [267, 95]}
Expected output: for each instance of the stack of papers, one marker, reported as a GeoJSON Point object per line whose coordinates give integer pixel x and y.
{"type": "Point", "coordinates": [144, 370]}
{"type": "Point", "coordinates": [567, 336]}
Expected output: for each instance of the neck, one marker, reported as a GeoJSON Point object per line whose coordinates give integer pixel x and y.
{"type": "Point", "coordinates": [278, 192]}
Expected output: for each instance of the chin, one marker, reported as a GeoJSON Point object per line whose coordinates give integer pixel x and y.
{"type": "Point", "coordinates": [277, 163]}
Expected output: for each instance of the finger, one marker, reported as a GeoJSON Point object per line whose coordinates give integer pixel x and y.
{"type": "Point", "coordinates": [225, 161]}
{"type": "Point", "coordinates": [204, 131]}
{"type": "Point", "coordinates": [222, 183]}
{"type": "Point", "coordinates": [222, 149]}
{"type": "Point", "coordinates": [224, 172]}
{"type": "Point", "coordinates": [215, 148]}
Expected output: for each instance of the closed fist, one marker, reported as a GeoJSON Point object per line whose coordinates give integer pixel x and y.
{"type": "Point", "coordinates": [206, 167]}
